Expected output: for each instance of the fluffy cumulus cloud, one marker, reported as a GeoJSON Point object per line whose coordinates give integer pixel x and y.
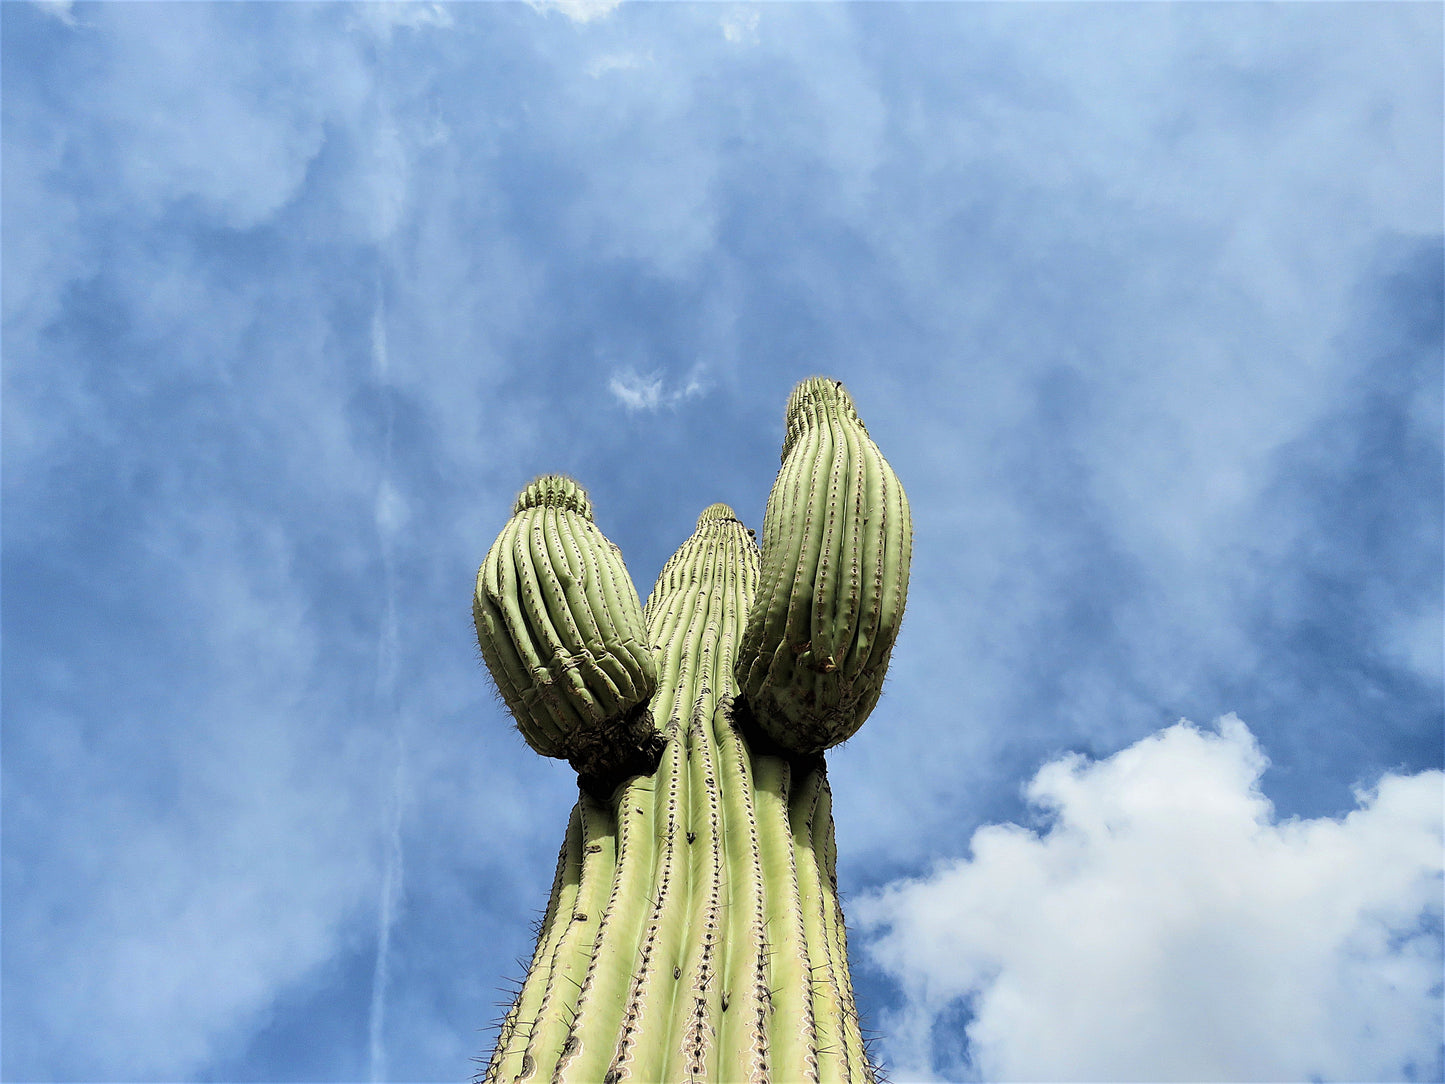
{"type": "Point", "coordinates": [1162, 924]}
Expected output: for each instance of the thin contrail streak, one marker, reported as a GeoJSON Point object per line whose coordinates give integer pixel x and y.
{"type": "Point", "coordinates": [386, 914]}
{"type": "Point", "coordinates": [386, 514]}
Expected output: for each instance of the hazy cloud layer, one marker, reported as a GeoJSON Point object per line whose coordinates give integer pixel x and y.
{"type": "Point", "coordinates": [1142, 303]}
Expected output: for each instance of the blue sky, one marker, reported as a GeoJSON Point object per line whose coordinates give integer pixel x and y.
{"type": "Point", "coordinates": [1142, 302]}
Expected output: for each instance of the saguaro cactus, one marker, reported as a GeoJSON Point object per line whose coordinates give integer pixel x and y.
{"type": "Point", "coordinates": [693, 930]}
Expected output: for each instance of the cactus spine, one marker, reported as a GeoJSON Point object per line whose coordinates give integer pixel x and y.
{"type": "Point", "coordinates": [693, 930]}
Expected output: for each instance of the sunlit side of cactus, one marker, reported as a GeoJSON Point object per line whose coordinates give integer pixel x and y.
{"type": "Point", "coordinates": [693, 930]}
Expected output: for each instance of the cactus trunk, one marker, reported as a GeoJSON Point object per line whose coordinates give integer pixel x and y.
{"type": "Point", "coordinates": [694, 931]}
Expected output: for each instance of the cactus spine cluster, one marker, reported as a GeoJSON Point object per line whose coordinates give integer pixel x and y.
{"type": "Point", "coordinates": [693, 931]}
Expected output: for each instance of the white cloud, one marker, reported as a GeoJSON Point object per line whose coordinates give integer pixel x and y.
{"type": "Point", "coordinates": [383, 18]}
{"type": "Point", "coordinates": [741, 27]}
{"type": "Point", "coordinates": [649, 391]}
{"type": "Point", "coordinates": [1164, 926]}
{"type": "Point", "coordinates": [612, 62]}
{"type": "Point", "coordinates": [579, 11]}
{"type": "Point", "coordinates": [64, 10]}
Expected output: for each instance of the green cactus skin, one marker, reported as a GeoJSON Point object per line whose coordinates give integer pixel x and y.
{"type": "Point", "coordinates": [837, 542]}
{"type": "Point", "coordinates": [560, 627]}
{"type": "Point", "coordinates": [693, 932]}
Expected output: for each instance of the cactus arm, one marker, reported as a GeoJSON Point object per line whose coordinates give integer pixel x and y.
{"type": "Point", "coordinates": [580, 638]}
{"type": "Point", "coordinates": [607, 677]}
{"type": "Point", "coordinates": [537, 718]}
{"type": "Point", "coordinates": [810, 667]}
{"type": "Point", "coordinates": [534, 635]}
{"type": "Point", "coordinates": [804, 522]}
{"type": "Point", "coordinates": [836, 625]}
{"type": "Point", "coordinates": [559, 625]}
{"type": "Point", "coordinates": [825, 626]}
{"type": "Point", "coordinates": [729, 556]}
{"type": "Point", "coordinates": [650, 1002]}
{"type": "Point", "coordinates": [873, 550]}
{"type": "Point", "coordinates": [798, 524]}
{"type": "Point", "coordinates": [770, 637]}
{"type": "Point", "coordinates": [552, 627]}
{"type": "Point", "coordinates": [684, 594]}
{"type": "Point", "coordinates": [610, 590]}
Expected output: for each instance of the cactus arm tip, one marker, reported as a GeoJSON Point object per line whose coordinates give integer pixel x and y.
{"type": "Point", "coordinates": [554, 491]}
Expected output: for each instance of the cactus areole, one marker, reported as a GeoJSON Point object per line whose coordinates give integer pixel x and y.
{"type": "Point", "coordinates": [694, 931]}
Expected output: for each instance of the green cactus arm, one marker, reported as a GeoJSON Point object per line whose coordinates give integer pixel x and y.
{"type": "Point", "coordinates": [610, 590]}
{"type": "Point", "coordinates": [584, 630]}
{"type": "Point", "coordinates": [672, 994]}
{"type": "Point", "coordinates": [837, 542]}
{"type": "Point", "coordinates": [553, 622]}
{"type": "Point", "coordinates": [511, 652]}
{"type": "Point", "coordinates": [560, 627]}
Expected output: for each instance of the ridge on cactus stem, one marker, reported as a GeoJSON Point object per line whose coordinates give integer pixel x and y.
{"type": "Point", "coordinates": [694, 930]}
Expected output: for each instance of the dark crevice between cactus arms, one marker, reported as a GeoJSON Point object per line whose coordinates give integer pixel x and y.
{"type": "Point", "coordinates": [693, 932]}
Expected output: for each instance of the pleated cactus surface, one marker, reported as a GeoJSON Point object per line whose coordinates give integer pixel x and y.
{"type": "Point", "coordinates": [837, 541]}
{"type": "Point", "coordinates": [560, 627]}
{"type": "Point", "coordinates": [693, 931]}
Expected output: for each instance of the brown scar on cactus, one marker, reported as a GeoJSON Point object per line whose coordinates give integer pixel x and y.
{"type": "Point", "coordinates": [702, 717]}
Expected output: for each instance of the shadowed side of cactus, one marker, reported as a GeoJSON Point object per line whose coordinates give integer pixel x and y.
{"type": "Point", "coordinates": [693, 930]}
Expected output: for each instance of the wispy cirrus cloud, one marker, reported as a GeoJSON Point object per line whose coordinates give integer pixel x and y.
{"type": "Point", "coordinates": [740, 26]}
{"type": "Point", "coordinates": [617, 62]}
{"type": "Point", "coordinates": [579, 11]}
{"type": "Point", "coordinates": [385, 17]}
{"type": "Point", "coordinates": [64, 10]}
{"type": "Point", "coordinates": [652, 390]}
